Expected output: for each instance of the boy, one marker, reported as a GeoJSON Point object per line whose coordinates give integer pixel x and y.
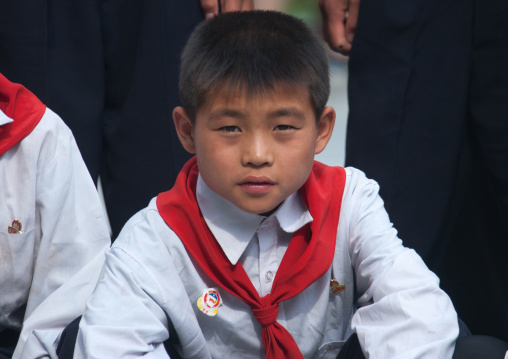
{"type": "Point", "coordinates": [52, 225]}
{"type": "Point", "coordinates": [258, 250]}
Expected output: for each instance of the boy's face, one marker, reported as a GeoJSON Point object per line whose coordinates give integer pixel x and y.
{"type": "Point", "coordinates": [255, 150]}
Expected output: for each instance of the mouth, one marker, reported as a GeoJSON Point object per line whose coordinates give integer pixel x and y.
{"type": "Point", "coordinates": [256, 185]}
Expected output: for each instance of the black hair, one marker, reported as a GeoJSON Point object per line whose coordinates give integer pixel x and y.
{"type": "Point", "coordinates": [254, 51]}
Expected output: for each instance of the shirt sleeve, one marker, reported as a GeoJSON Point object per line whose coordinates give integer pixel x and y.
{"type": "Point", "coordinates": [402, 311]}
{"type": "Point", "coordinates": [72, 222]}
{"type": "Point", "coordinates": [124, 319]}
{"type": "Point", "coordinates": [73, 238]}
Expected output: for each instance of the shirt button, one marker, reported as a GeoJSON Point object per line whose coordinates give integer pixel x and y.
{"type": "Point", "coordinates": [268, 276]}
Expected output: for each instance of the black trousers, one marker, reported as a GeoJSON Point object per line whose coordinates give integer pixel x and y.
{"type": "Point", "coordinates": [110, 70]}
{"type": "Point", "coordinates": [468, 347]}
{"type": "Point", "coordinates": [428, 98]}
{"type": "Point", "coordinates": [8, 340]}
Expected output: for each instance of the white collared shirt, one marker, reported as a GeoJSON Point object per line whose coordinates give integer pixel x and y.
{"type": "Point", "coordinates": [150, 284]}
{"type": "Point", "coordinates": [45, 186]}
{"type": "Point", "coordinates": [258, 242]}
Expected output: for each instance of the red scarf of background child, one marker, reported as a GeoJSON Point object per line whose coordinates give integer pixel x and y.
{"type": "Point", "coordinates": [19, 104]}
{"type": "Point", "coordinates": [308, 257]}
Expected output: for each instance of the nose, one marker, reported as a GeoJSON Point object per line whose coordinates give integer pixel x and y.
{"type": "Point", "coordinates": [257, 151]}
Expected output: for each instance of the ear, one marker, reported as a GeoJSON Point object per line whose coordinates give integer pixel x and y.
{"type": "Point", "coordinates": [324, 128]}
{"type": "Point", "coordinates": [183, 127]}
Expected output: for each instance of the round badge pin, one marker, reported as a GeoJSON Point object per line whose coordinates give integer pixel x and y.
{"type": "Point", "coordinates": [210, 302]}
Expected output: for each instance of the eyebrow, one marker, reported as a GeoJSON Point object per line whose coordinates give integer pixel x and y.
{"type": "Point", "coordinates": [225, 112]}
{"type": "Point", "coordinates": [287, 112]}
{"type": "Point", "coordinates": [282, 112]}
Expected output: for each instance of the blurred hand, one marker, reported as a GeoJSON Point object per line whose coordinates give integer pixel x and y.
{"type": "Point", "coordinates": [339, 23]}
{"type": "Point", "coordinates": [211, 7]}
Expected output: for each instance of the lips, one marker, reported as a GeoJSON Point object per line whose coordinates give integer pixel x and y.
{"type": "Point", "coordinates": [256, 185]}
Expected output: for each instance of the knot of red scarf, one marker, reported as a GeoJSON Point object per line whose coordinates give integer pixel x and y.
{"type": "Point", "coordinates": [267, 315]}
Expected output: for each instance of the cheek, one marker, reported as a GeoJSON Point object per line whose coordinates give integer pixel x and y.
{"type": "Point", "coordinates": [297, 164]}
{"type": "Point", "coordinates": [213, 163]}
{"type": "Point", "coordinates": [210, 174]}
{"type": "Point", "coordinates": [206, 150]}
{"type": "Point", "coordinates": [213, 157]}
{"type": "Point", "coordinates": [300, 152]}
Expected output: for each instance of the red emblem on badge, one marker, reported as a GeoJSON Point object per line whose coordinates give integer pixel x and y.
{"type": "Point", "coordinates": [336, 287]}
{"type": "Point", "coordinates": [210, 302]}
{"type": "Point", "coordinates": [15, 227]}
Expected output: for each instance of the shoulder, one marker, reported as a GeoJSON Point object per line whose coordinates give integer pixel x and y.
{"type": "Point", "coordinates": [357, 178]}
{"type": "Point", "coordinates": [51, 124]}
{"type": "Point", "coordinates": [358, 185]}
{"type": "Point", "coordinates": [51, 137]}
{"type": "Point", "coordinates": [360, 198]}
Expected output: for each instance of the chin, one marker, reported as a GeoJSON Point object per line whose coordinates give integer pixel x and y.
{"type": "Point", "coordinates": [262, 211]}
{"type": "Point", "coordinates": [266, 212]}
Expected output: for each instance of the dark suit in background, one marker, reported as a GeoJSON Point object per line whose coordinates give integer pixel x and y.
{"type": "Point", "coordinates": [428, 95]}
{"type": "Point", "coordinates": [110, 70]}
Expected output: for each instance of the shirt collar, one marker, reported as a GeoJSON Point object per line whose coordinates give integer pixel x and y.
{"type": "Point", "coordinates": [4, 119]}
{"type": "Point", "coordinates": [233, 228]}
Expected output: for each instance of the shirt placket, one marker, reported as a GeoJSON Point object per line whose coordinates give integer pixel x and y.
{"type": "Point", "coordinates": [268, 263]}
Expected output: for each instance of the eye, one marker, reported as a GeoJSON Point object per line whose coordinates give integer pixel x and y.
{"type": "Point", "coordinates": [230, 129]}
{"type": "Point", "coordinates": [283, 128]}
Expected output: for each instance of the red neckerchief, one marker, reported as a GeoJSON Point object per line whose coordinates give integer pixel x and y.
{"type": "Point", "coordinates": [306, 258]}
{"type": "Point", "coordinates": [23, 107]}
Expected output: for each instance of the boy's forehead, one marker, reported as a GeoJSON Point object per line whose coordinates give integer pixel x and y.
{"type": "Point", "coordinates": [227, 95]}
